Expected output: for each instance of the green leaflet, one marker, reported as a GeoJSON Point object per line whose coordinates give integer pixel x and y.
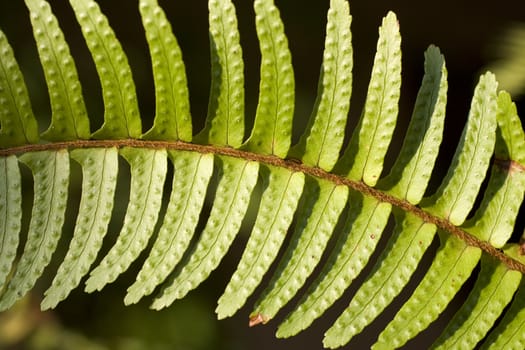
{"type": "Point", "coordinates": [121, 116]}
{"type": "Point", "coordinates": [69, 120]}
{"type": "Point", "coordinates": [173, 119]}
{"type": "Point", "coordinates": [495, 218]}
{"type": "Point", "coordinates": [507, 185]}
{"type": "Point", "coordinates": [364, 226]}
{"type": "Point", "coordinates": [225, 121]}
{"type": "Point", "coordinates": [411, 172]}
{"type": "Point", "coordinates": [321, 143]}
{"type": "Point", "coordinates": [148, 172]}
{"type": "Point", "coordinates": [10, 213]}
{"type": "Point", "coordinates": [317, 217]}
{"type": "Point", "coordinates": [18, 124]}
{"type": "Point", "coordinates": [99, 169]}
{"type": "Point", "coordinates": [456, 195]}
{"type": "Point", "coordinates": [509, 334]}
{"type": "Point", "coordinates": [482, 225]}
{"type": "Point", "coordinates": [365, 155]}
{"type": "Point", "coordinates": [278, 204]}
{"type": "Point", "coordinates": [493, 290]}
{"type": "Point", "coordinates": [408, 179]}
{"type": "Point", "coordinates": [452, 265]}
{"type": "Point", "coordinates": [272, 130]}
{"type": "Point", "coordinates": [183, 258]}
{"type": "Point", "coordinates": [395, 266]}
{"type": "Point", "coordinates": [511, 131]}
{"type": "Point", "coordinates": [192, 175]}
{"type": "Point", "coordinates": [51, 178]}
{"type": "Point", "coordinates": [232, 197]}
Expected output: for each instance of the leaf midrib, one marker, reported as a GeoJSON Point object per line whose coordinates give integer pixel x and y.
{"type": "Point", "coordinates": [293, 165]}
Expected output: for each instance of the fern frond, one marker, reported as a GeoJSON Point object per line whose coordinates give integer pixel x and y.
{"type": "Point", "coordinates": [336, 207]}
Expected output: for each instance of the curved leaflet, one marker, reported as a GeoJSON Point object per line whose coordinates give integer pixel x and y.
{"type": "Point", "coordinates": [51, 179]}
{"type": "Point", "coordinates": [225, 120]}
{"type": "Point", "coordinates": [148, 172]}
{"type": "Point", "coordinates": [99, 170]}
{"type": "Point", "coordinates": [365, 154]}
{"type": "Point", "coordinates": [18, 124]}
{"type": "Point", "coordinates": [69, 120]}
{"type": "Point", "coordinates": [10, 213]}
{"type": "Point", "coordinates": [493, 290]}
{"type": "Point", "coordinates": [121, 115]}
{"type": "Point", "coordinates": [272, 130]}
{"type": "Point", "coordinates": [318, 215]}
{"type": "Point", "coordinates": [173, 119]}
{"type": "Point", "coordinates": [278, 204]}
{"type": "Point", "coordinates": [321, 143]}
{"type": "Point", "coordinates": [192, 175]}
{"type": "Point", "coordinates": [236, 184]}
{"type": "Point", "coordinates": [364, 226]}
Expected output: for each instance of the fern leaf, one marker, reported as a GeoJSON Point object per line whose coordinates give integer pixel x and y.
{"type": "Point", "coordinates": [450, 268]}
{"type": "Point", "coordinates": [364, 157]}
{"type": "Point", "coordinates": [455, 260]}
{"type": "Point", "coordinates": [510, 331]}
{"type": "Point", "coordinates": [326, 194]}
{"type": "Point", "coordinates": [493, 290]}
{"type": "Point", "coordinates": [173, 119]}
{"type": "Point", "coordinates": [225, 121]}
{"type": "Point", "coordinates": [272, 129]}
{"type": "Point", "coordinates": [495, 218]}
{"type": "Point", "coordinates": [10, 213]}
{"type": "Point", "coordinates": [364, 227]}
{"type": "Point", "coordinates": [408, 179]}
{"type": "Point", "coordinates": [472, 156]}
{"type": "Point", "coordinates": [395, 266]}
{"type": "Point", "coordinates": [318, 215]}
{"type": "Point", "coordinates": [99, 168]}
{"type": "Point", "coordinates": [237, 182]}
{"type": "Point", "coordinates": [121, 116]}
{"type": "Point", "coordinates": [410, 174]}
{"type": "Point", "coordinates": [513, 147]}
{"type": "Point", "coordinates": [192, 175]}
{"type": "Point", "coordinates": [69, 115]}
{"type": "Point", "coordinates": [18, 124]}
{"type": "Point", "coordinates": [278, 204]}
{"type": "Point", "coordinates": [321, 144]}
{"type": "Point", "coordinates": [509, 186]}
{"type": "Point", "coordinates": [51, 178]}
{"type": "Point", "coordinates": [148, 172]}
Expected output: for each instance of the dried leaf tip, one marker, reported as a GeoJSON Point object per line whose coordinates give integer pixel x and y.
{"type": "Point", "coordinates": [257, 319]}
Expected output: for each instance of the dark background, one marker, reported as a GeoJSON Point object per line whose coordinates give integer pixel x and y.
{"type": "Point", "coordinates": [469, 34]}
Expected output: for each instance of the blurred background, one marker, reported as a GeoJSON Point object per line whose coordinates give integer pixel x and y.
{"type": "Point", "coordinates": [473, 35]}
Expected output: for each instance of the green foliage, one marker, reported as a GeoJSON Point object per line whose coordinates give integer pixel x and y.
{"type": "Point", "coordinates": [335, 204]}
